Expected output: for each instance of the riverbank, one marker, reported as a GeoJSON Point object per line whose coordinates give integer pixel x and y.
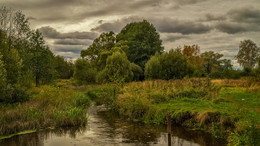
{"type": "Point", "coordinates": [227, 109]}
{"type": "Point", "coordinates": [48, 107]}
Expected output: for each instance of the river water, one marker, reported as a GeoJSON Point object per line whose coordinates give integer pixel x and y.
{"type": "Point", "coordinates": [105, 128]}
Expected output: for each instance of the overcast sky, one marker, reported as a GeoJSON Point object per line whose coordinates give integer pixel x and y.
{"type": "Point", "coordinates": [218, 25]}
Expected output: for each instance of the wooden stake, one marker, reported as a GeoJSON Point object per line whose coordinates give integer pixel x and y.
{"type": "Point", "coordinates": [169, 129]}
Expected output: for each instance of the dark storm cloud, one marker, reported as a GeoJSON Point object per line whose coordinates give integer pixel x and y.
{"type": "Point", "coordinates": [50, 32]}
{"type": "Point", "coordinates": [231, 28]}
{"type": "Point", "coordinates": [183, 27]}
{"type": "Point", "coordinates": [84, 42]}
{"type": "Point", "coordinates": [246, 14]}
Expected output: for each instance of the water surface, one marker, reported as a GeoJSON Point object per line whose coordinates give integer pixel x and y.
{"type": "Point", "coordinates": [105, 128]}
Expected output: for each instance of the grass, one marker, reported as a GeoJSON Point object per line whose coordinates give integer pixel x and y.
{"type": "Point", "coordinates": [224, 108]}
{"type": "Point", "coordinates": [49, 106]}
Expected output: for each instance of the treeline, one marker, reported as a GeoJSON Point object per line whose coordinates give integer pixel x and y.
{"type": "Point", "coordinates": [25, 59]}
{"type": "Point", "coordinates": [136, 53]}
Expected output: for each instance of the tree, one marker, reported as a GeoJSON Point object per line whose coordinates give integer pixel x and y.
{"type": "Point", "coordinates": [117, 70]}
{"type": "Point", "coordinates": [143, 41]}
{"type": "Point", "coordinates": [174, 65]}
{"type": "Point", "coordinates": [247, 54]}
{"type": "Point", "coordinates": [63, 68]}
{"type": "Point", "coordinates": [3, 82]}
{"type": "Point", "coordinates": [211, 61]}
{"type": "Point", "coordinates": [137, 71]}
{"type": "Point", "coordinates": [41, 58]}
{"type": "Point", "coordinates": [192, 53]}
{"type": "Point", "coordinates": [84, 72]}
{"type": "Point", "coordinates": [169, 65]}
{"type": "Point", "coordinates": [104, 42]}
{"type": "Point", "coordinates": [153, 67]}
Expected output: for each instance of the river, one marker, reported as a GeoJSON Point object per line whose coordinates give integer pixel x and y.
{"type": "Point", "coordinates": [105, 128]}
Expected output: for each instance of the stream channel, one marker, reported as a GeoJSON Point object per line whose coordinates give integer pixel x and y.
{"type": "Point", "coordinates": [105, 128]}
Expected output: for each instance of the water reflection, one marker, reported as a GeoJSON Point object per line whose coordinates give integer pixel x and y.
{"type": "Point", "coordinates": [105, 128]}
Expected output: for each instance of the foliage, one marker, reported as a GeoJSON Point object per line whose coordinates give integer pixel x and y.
{"type": "Point", "coordinates": [153, 68]}
{"type": "Point", "coordinates": [3, 83]}
{"type": "Point", "coordinates": [211, 61]}
{"type": "Point", "coordinates": [63, 68]}
{"type": "Point", "coordinates": [104, 42]}
{"type": "Point", "coordinates": [248, 54]}
{"type": "Point", "coordinates": [168, 66]}
{"type": "Point", "coordinates": [84, 73]}
{"type": "Point", "coordinates": [137, 71]}
{"type": "Point", "coordinates": [143, 41]}
{"type": "Point", "coordinates": [118, 69]}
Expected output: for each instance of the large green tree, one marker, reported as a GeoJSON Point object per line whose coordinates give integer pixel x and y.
{"type": "Point", "coordinates": [247, 54]}
{"type": "Point", "coordinates": [143, 41]}
{"type": "Point", "coordinates": [84, 72]}
{"type": "Point", "coordinates": [41, 58]}
{"type": "Point", "coordinates": [169, 65]}
{"type": "Point", "coordinates": [211, 61]}
{"type": "Point", "coordinates": [153, 67]}
{"type": "Point", "coordinates": [104, 42]}
{"type": "Point", "coordinates": [117, 70]}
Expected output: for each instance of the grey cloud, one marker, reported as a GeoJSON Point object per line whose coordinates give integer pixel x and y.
{"type": "Point", "coordinates": [50, 32]}
{"type": "Point", "coordinates": [189, 1]}
{"type": "Point", "coordinates": [231, 27]}
{"type": "Point", "coordinates": [246, 14]}
{"type": "Point", "coordinates": [212, 17]}
{"type": "Point", "coordinates": [172, 37]}
{"type": "Point", "coordinates": [84, 42]}
{"type": "Point", "coordinates": [117, 25]}
{"type": "Point", "coordinates": [183, 27]}
{"type": "Point", "coordinates": [235, 27]}
{"type": "Point", "coordinates": [68, 48]}
{"type": "Point", "coordinates": [162, 25]}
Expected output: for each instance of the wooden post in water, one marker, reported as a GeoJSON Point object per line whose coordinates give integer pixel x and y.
{"type": "Point", "coordinates": [169, 130]}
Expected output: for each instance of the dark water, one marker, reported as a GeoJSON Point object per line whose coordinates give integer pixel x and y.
{"type": "Point", "coordinates": [107, 129]}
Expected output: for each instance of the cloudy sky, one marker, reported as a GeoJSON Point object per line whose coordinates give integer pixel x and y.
{"type": "Point", "coordinates": [218, 25]}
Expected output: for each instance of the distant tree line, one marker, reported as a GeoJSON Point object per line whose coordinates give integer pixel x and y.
{"type": "Point", "coordinates": [136, 53]}
{"type": "Point", "coordinates": [25, 59]}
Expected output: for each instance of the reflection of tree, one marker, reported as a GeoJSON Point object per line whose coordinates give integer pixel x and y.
{"type": "Point", "coordinates": [33, 139]}
{"type": "Point", "coordinates": [132, 132]}
{"type": "Point", "coordinates": [37, 139]}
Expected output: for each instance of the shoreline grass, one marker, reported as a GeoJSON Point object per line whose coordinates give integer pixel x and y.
{"type": "Point", "coordinates": [49, 106]}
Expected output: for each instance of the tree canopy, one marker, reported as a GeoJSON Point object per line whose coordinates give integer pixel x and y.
{"type": "Point", "coordinates": [248, 54]}
{"type": "Point", "coordinates": [143, 41]}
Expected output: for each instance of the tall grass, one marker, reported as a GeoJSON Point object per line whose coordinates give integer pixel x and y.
{"type": "Point", "coordinates": [48, 106]}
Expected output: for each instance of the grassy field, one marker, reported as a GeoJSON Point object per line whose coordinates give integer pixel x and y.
{"type": "Point", "coordinates": [48, 106]}
{"type": "Point", "coordinates": [225, 108]}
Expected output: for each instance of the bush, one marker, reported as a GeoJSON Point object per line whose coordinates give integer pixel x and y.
{"type": "Point", "coordinates": [84, 72]}
{"type": "Point", "coordinates": [82, 99]}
